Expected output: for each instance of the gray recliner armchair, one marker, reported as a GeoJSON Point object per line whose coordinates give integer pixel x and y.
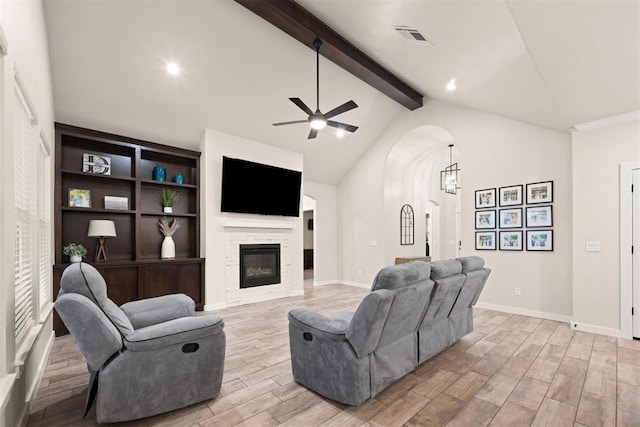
{"type": "Point", "coordinates": [145, 357]}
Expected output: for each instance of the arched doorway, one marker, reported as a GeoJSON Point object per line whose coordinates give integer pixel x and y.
{"type": "Point", "coordinates": [412, 176]}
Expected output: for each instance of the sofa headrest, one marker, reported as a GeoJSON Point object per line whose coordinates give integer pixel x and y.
{"type": "Point", "coordinates": [82, 278]}
{"type": "Point", "coordinates": [398, 276]}
{"type": "Point", "coordinates": [445, 268]}
{"type": "Point", "coordinates": [471, 263]}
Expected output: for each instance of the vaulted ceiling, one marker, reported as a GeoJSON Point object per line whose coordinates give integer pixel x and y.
{"type": "Point", "coordinates": [552, 63]}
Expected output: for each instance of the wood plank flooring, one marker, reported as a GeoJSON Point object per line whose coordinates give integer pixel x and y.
{"type": "Point", "coordinates": [511, 371]}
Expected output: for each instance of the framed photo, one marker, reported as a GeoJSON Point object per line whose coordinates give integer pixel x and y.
{"type": "Point", "coordinates": [486, 198]}
{"type": "Point", "coordinates": [540, 192]}
{"type": "Point", "coordinates": [540, 216]}
{"type": "Point", "coordinates": [79, 198]}
{"type": "Point", "coordinates": [539, 240]}
{"type": "Point", "coordinates": [510, 196]}
{"type": "Point", "coordinates": [511, 218]}
{"type": "Point", "coordinates": [96, 163]}
{"type": "Point", "coordinates": [511, 240]}
{"type": "Point", "coordinates": [486, 219]}
{"type": "Point", "coordinates": [485, 240]}
{"type": "Point", "coordinates": [117, 203]}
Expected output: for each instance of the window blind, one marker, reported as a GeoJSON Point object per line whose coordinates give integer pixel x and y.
{"type": "Point", "coordinates": [44, 223]}
{"type": "Point", "coordinates": [23, 283]}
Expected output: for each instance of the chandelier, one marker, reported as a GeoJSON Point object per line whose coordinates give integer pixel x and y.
{"type": "Point", "coordinates": [449, 176]}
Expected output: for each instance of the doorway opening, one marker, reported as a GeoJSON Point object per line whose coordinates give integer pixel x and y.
{"type": "Point", "coordinates": [308, 224]}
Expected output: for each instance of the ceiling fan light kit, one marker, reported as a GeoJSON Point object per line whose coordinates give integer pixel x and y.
{"type": "Point", "coordinates": [317, 120]}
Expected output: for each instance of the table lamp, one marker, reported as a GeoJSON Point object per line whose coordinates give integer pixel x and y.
{"type": "Point", "coordinates": [101, 229]}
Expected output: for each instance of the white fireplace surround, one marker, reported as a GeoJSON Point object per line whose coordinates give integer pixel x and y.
{"type": "Point", "coordinates": [226, 231]}
{"type": "Point", "coordinates": [234, 237]}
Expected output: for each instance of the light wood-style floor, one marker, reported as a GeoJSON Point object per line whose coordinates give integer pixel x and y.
{"type": "Point", "coordinates": [511, 371]}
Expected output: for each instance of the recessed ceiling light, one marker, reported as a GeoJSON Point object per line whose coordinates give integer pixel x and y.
{"type": "Point", "coordinates": [340, 132]}
{"type": "Point", "coordinates": [173, 68]}
{"type": "Point", "coordinates": [451, 85]}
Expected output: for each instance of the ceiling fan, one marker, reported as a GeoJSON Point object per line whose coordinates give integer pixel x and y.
{"type": "Point", "coordinates": [317, 120]}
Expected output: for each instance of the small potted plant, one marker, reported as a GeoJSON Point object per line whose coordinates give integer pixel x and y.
{"type": "Point", "coordinates": [75, 251]}
{"type": "Point", "coordinates": [168, 198]}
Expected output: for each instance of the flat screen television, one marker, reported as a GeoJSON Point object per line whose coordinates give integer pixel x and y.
{"type": "Point", "coordinates": [256, 188]}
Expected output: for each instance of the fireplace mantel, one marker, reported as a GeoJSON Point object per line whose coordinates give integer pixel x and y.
{"type": "Point", "coordinates": [257, 223]}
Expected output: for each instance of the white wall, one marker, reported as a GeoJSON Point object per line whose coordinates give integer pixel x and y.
{"type": "Point", "coordinates": [23, 26]}
{"type": "Point", "coordinates": [493, 151]}
{"type": "Point", "coordinates": [325, 230]}
{"type": "Point", "coordinates": [214, 242]}
{"type": "Point", "coordinates": [597, 155]}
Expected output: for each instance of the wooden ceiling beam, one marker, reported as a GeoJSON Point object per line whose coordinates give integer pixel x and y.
{"type": "Point", "coordinates": [299, 23]}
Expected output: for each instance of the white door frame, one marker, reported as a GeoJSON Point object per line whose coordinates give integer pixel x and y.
{"type": "Point", "coordinates": [626, 240]}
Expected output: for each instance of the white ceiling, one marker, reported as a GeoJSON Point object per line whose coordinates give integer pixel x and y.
{"type": "Point", "coordinates": [553, 63]}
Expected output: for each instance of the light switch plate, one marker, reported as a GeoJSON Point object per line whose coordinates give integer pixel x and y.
{"type": "Point", "coordinates": [593, 246]}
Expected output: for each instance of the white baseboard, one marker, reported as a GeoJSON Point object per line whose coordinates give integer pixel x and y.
{"type": "Point", "coordinates": [216, 306]}
{"type": "Point", "coordinates": [326, 282]}
{"type": "Point", "coordinates": [356, 284]}
{"type": "Point", "coordinates": [596, 329]}
{"type": "Point", "coordinates": [297, 293]}
{"type": "Point", "coordinates": [525, 312]}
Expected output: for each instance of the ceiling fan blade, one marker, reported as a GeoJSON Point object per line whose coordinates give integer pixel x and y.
{"type": "Point", "coordinates": [301, 105]}
{"type": "Point", "coordinates": [291, 123]}
{"type": "Point", "coordinates": [347, 127]}
{"type": "Point", "coordinates": [312, 134]}
{"type": "Point", "coordinates": [350, 105]}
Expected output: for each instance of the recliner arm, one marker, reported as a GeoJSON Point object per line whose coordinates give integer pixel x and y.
{"type": "Point", "coordinates": [150, 311]}
{"type": "Point", "coordinates": [176, 331]}
{"type": "Point", "coordinates": [318, 324]}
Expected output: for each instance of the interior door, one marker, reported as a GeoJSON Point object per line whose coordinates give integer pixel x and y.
{"type": "Point", "coordinates": [636, 252]}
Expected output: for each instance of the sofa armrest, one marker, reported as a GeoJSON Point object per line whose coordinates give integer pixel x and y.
{"type": "Point", "coordinates": [172, 332]}
{"type": "Point", "coordinates": [150, 311]}
{"type": "Point", "coordinates": [318, 324]}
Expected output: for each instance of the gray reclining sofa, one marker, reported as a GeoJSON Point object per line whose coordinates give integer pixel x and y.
{"type": "Point", "coordinates": [145, 357]}
{"type": "Point", "coordinates": [413, 312]}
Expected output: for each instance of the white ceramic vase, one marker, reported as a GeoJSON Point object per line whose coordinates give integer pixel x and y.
{"type": "Point", "coordinates": [167, 209]}
{"type": "Point", "coordinates": [168, 248]}
{"type": "Point", "coordinates": [75, 258]}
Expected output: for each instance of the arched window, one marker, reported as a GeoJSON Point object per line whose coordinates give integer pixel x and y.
{"type": "Point", "coordinates": [406, 225]}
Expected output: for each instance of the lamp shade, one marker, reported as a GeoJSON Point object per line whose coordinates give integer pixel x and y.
{"type": "Point", "coordinates": [101, 228]}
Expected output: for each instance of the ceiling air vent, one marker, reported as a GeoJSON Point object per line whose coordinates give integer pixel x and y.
{"type": "Point", "coordinates": [412, 35]}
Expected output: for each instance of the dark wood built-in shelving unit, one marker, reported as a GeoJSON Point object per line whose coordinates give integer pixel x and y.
{"type": "Point", "coordinates": [134, 269]}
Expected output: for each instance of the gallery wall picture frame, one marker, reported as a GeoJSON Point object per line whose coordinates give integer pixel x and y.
{"type": "Point", "coordinates": [486, 219]}
{"type": "Point", "coordinates": [79, 198]}
{"type": "Point", "coordinates": [540, 240]}
{"type": "Point", "coordinates": [539, 216]}
{"type": "Point", "coordinates": [96, 164]}
{"type": "Point", "coordinates": [540, 192]}
{"type": "Point", "coordinates": [510, 240]}
{"type": "Point", "coordinates": [510, 218]}
{"type": "Point", "coordinates": [510, 196]}
{"type": "Point", "coordinates": [485, 240]}
{"type": "Point", "coordinates": [486, 198]}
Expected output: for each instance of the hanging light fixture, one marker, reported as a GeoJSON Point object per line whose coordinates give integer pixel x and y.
{"type": "Point", "coordinates": [449, 176]}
